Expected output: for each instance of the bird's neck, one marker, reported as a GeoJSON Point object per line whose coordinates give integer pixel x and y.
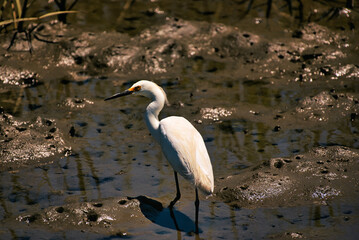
{"type": "Point", "coordinates": [151, 116]}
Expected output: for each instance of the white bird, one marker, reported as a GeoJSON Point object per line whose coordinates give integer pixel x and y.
{"type": "Point", "coordinates": [181, 143]}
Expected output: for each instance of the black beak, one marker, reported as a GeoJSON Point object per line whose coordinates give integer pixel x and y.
{"type": "Point", "coordinates": [127, 92]}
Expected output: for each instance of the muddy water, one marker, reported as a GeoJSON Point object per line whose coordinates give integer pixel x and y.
{"type": "Point", "coordinates": [256, 89]}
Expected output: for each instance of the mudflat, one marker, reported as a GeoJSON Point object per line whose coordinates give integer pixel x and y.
{"type": "Point", "coordinates": [276, 100]}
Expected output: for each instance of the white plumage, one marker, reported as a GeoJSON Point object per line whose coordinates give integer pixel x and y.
{"type": "Point", "coordinates": [185, 150]}
{"type": "Point", "coordinates": [181, 143]}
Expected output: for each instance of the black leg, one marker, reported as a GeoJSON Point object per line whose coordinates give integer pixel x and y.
{"type": "Point", "coordinates": [178, 194]}
{"type": "Point", "coordinates": [28, 38]}
{"type": "Point", "coordinates": [174, 219]}
{"type": "Point", "coordinates": [196, 203]}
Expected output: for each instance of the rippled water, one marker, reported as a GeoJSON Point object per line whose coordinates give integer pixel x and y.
{"type": "Point", "coordinates": [247, 112]}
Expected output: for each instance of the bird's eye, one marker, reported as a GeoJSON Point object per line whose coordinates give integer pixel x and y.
{"type": "Point", "coordinates": [137, 88]}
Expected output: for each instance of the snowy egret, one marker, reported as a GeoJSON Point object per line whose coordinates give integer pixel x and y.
{"type": "Point", "coordinates": [181, 143]}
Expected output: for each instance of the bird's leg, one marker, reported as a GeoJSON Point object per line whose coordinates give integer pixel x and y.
{"type": "Point", "coordinates": [178, 194]}
{"type": "Point", "coordinates": [172, 214]}
{"type": "Point", "coordinates": [196, 203]}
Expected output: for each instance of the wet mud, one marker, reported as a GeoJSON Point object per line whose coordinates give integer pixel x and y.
{"type": "Point", "coordinates": [276, 102]}
{"type": "Point", "coordinates": [114, 217]}
{"type": "Point", "coordinates": [316, 177]}
{"type": "Point", "coordinates": [106, 216]}
{"type": "Point", "coordinates": [33, 142]}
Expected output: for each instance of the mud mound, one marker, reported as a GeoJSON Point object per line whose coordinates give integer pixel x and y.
{"type": "Point", "coordinates": [329, 107]}
{"type": "Point", "coordinates": [315, 177]}
{"type": "Point", "coordinates": [18, 77]}
{"type": "Point", "coordinates": [29, 142]}
{"type": "Point", "coordinates": [105, 216]}
{"type": "Point", "coordinates": [156, 50]}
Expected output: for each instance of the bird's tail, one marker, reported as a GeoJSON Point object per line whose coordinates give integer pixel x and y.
{"type": "Point", "coordinates": [206, 186]}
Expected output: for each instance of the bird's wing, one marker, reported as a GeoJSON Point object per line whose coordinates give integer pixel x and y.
{"type": "Point", "coordinates": [185, 150]}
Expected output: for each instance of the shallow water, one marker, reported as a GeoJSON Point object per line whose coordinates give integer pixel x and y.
{"type": "Point", "coordinates": [250, 105]}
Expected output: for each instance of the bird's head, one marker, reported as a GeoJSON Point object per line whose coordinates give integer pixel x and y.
{"type": "Point", "coordinates": [145, 88]}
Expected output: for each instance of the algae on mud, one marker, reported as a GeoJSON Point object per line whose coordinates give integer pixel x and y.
{"type": "Point", "coordinates": [259, 90]}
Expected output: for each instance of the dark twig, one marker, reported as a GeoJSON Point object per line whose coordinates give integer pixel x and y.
{"type": "Point", "coordinates": [36, 36]}
{"type": "Point", "coordinates": [334, 14]}
{"type": "Point", "coordinates": [28, 32]}
{"type": "Point", "coordinates": [20, 28]}
{"type": "Point", "coordinates": [23, 14]}
{"type": "Point", "coordinates": [12, 41]}
{"type": "Point", "coordinates": [300, 9]}
{"type": "Point", "coordinates": [73, 4]}
{"type": "Point", "coordinates": [62, 6]}
{"type": "Point", "coordinates": [269, 7]}
{"type": "Point", "coordinates": [289, 2]}
{"type": "Point", "coordinates": [249, 7]}
{"type": "Point", "coordinates": [350, 4]}
{"type": "Point", "coordinates": [326, 14]}
{"type": "Point", "coordinates": [28, 38]}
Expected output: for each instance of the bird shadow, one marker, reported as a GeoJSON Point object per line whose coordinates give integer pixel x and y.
{"type": "Point", "coordinates": [154, 211]}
